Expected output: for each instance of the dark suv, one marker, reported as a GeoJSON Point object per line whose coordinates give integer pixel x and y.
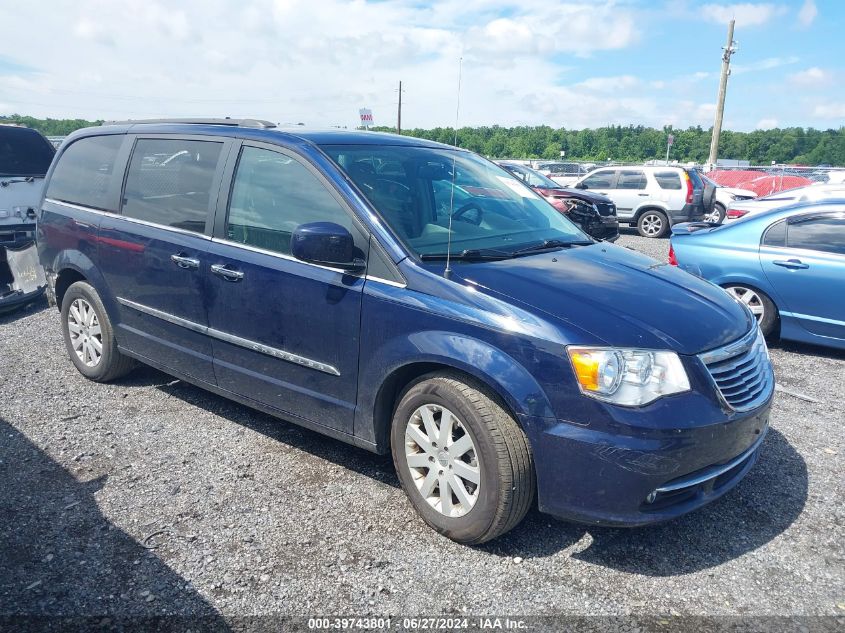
{"type": "Point", "coordinates": [412, 298]}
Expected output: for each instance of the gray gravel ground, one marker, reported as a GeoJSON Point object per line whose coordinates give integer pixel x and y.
{"type": "Point", "coordinates": [150, 496]}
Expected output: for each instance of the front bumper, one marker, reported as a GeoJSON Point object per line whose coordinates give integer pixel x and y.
{"type": "Point", "coordinates": [641, 475]}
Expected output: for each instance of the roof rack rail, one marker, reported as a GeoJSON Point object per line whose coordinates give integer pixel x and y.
{"type": "Point", "coordinates": [227, 121]}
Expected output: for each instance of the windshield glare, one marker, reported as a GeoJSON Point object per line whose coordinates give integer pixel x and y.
{"type": "Point", "coordinates": [419, 192]}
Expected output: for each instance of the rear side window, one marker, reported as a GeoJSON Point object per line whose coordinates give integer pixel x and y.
{"type": "Point", "coordinates": [668, 179]}
{"type": "Point", "coordinates": [776, 234]}
{"type": "Point", "coordinates": [820, 233]}
{"type": "Point", "coordinates": [84, 172]}
{"type": "Point", "coordinates": [170, 182]}
{"type": "Point", "coordinates": [272, 194]}
{"type": "Point", "coordinates": [599, 180]}
{"type": "Point", "coordinates": [24, 152]}
{"type": "Point", "coordinates": [631, 179]}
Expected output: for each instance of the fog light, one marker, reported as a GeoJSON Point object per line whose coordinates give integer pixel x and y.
{"type": "Point", "coordinates": [651, 497]}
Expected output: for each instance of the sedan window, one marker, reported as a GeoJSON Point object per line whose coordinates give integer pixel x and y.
{"type": "Point", "coordinates": [819, 233]}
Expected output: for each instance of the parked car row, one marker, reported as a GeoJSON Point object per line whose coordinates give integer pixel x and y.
{"type": "Point", "coordinates": [415, 299]}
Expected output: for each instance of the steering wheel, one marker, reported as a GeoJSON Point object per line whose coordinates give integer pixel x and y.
{"type": "Point", "coordinates": [469, 206]}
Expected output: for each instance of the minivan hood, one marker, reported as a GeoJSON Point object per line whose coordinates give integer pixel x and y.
{"type": "Point", "coordinates": [621, 297]}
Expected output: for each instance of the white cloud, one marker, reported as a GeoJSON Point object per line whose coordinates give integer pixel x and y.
{"type": "Point", "coordinates": [830, 111]}
{"type": "Point", "coordinates": [609, 84]}
{"type": "Point", "coordinates": [807, 13]}
{"type": "Point", "coordinates": [767, 124]}
{"type": "Point", "coordinates": [764, 64]}
{"type": "Point", "coordinates": [745, 13]}
{"type": "Point", "coordinates": [811, 77]}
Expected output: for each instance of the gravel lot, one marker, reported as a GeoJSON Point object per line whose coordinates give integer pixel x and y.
{"type": "Point", "coordinates": [151, 496]}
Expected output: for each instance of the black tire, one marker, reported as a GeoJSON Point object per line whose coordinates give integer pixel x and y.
{"type": "Point", "coordinates": [506, 468]}
{"type": "Point", "coordinates": [653, 223]}
{"type": "Point", "coordinates": [770, 318]}
{"type": "Point", "coordinates": [111, 364]}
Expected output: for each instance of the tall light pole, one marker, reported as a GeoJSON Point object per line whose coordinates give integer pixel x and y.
{"type": "Point", "coordinates": [728, 50]}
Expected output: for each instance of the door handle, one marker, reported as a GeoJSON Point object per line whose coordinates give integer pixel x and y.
{"type": "Point", "coordinates": [188, 263]}
{"type": "Point", "coordinates": [226, 273]}
{"type": "Point", "coordinates": [793, 264]}
{"type": "Point", "coordinates": [644, 195]}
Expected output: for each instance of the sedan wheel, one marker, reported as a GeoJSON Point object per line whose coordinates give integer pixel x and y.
{"type": "Point", "coordinates": [749, 298]}
{"type": "Point", "coordinates": [761, 306]}
{"type": "Point", "coordinates": [86, 336]}
{"type": "Point", "coordinates": [442, 459]}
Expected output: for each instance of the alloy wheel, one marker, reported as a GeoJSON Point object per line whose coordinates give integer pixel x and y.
{"type": "Point", "coordinates": [443, 460]}
{"type": "Point", "coordinates": [86, 336]}
{"type": "Point", "coordinates": [652, 224]}
{"type": "Point", "coordinates": [749, 298]}
{"type": "Point", "coordinates": [714, 216]}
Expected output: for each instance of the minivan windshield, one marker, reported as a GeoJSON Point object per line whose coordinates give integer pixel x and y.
{"type": "Point", "coordinates": [24, 152]}
{"type": "Point", "coordinates": [422, 193]}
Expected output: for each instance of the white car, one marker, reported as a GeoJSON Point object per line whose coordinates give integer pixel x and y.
{"type": "Point", "coordinates": [810, 193]}
{"type": "Point", "coordinates": [651, 198]}
{"type": "Point", "coordinates": [725, 196]}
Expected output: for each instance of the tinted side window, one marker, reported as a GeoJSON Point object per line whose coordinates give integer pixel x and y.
{"type": "Point", "coordinates": [24, 152]}
{"type": "Point", "coordinates": [776, 234]}
{"type": "Point", "coordinates": [272, 194]}
{"type": "Point", "coordinates": [668, 179]}
{"type": "Point", "coordinates": [631, 179]}
{"type": "Point", "coordinates": [85, 170]}
{"type": "Point", "coordinates": [599, 180]}
{"type": "Point", "coordinates": [170, 182]}
{"type": "Point", "coordinates": [826, 234]}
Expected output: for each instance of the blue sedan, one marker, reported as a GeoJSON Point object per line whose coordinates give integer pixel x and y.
{"type": "Point", "coordinates": [787, 265]}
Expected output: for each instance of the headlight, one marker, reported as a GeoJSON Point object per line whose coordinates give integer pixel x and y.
{"type": "Point", "coordinates": [629, 377]}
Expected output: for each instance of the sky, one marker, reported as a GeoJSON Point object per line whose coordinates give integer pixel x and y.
{"type": "Point", "coordinates": [531, 62]}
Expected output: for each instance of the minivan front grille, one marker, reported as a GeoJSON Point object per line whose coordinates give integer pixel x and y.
{"type": "Point", "coordinates": [742, 371]}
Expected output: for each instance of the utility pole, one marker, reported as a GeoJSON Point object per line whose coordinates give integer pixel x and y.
{"type": "Point", "coordinates": [728, 50]}
{"type": "Point", "coordinates": [399, 112]}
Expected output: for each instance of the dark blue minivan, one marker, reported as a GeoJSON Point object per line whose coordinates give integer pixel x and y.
{"type": "Point", "coordinates": [411, 297]}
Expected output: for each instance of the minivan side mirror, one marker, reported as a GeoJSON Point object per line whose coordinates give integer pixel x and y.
{"type": "Point", "coordinates": [325, 243]}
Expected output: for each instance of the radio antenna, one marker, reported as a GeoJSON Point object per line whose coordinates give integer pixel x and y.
{"type": "Point", "coordinates": [447, 273]}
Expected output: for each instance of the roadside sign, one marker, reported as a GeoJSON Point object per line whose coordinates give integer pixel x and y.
{"type": "Point", "coordinates": [366, 117]}
{"type": "Point", "coordinates": [671, 140]}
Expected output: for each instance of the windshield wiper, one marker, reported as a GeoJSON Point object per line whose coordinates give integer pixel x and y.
{"type": "Point", "coordinates": [549, 244]}
{"type": "Point", "coordinates": [11, 181]}
{"type": "Point", "coordinates": [470, 254]}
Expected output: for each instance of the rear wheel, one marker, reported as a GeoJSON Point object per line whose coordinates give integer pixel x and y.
{"type": "Point", "coordinates": [463, 461]}
{"type": "Point", "coordinates": [761, 306]}
{"type": "Point", "coordinates": [89, 337]}
{"type": "Point", "coordinates": [653, 224]}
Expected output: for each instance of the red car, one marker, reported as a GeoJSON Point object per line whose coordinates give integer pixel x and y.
{"type": "Point", "coordinates": [593, 212]}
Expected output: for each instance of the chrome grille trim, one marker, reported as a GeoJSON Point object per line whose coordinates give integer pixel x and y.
{"type": "Point", "coordinates": [742, 371]}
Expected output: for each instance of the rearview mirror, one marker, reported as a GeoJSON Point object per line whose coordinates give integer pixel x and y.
{"type": "Point", "coordinates": [327, 244]}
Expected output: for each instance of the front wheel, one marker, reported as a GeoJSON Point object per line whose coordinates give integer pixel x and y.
{"type": "Point", "coordinates": [463, 461]}
{"type": "Point", "coordinates": [761, 306]}
{"type": "Point", "coordinates": [653, 224]}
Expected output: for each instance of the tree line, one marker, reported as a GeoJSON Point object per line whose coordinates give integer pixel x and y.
{"type": "Point", "coordinates": [629, 143]}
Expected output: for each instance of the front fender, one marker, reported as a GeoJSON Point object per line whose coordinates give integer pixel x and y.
{"type": "Point", "coordinates": [431, 349]}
